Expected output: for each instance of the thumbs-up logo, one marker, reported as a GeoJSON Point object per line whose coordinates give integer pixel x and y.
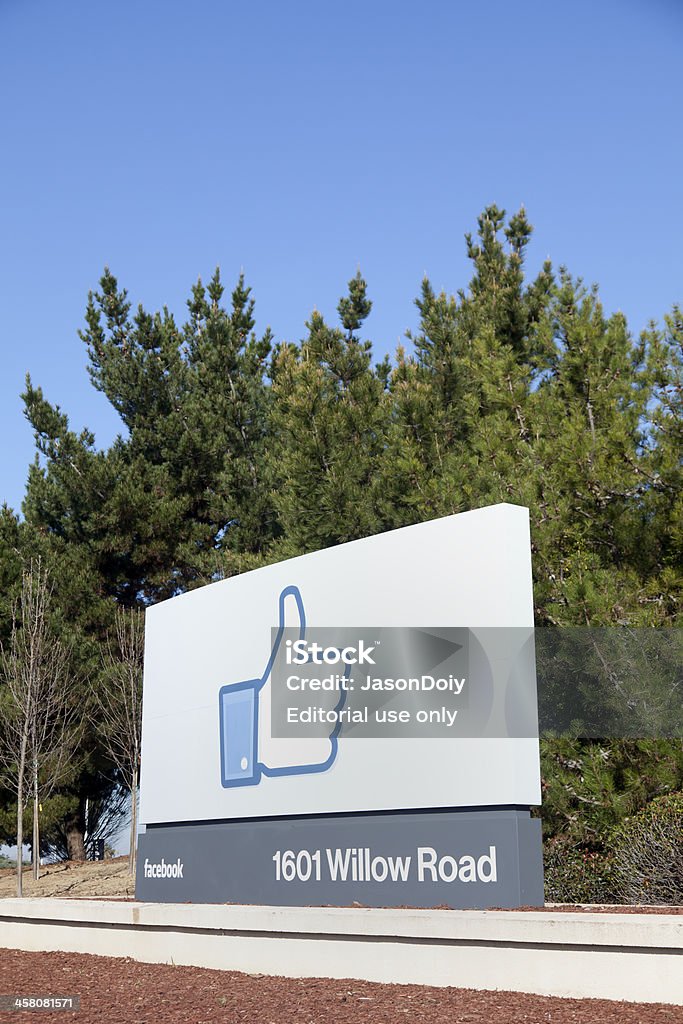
{"type": "Point", "coordinates": [248, 750]}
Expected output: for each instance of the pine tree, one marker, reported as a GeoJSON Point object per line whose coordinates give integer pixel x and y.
{"type": "Point", "coordinates": [177, 499]}
{"type": "Point", "coordinates": [461, 418]}
{"type": "Point", "coordinates": [530, 394]}
{"type": "Point", "coordinates": [186, 482]}
{"type": "Point", "coordinates": [10, 567]}
{"type": "Point", "coordinates": [663, 474]}
{"type": "Point", "coordinates": [329, 418]}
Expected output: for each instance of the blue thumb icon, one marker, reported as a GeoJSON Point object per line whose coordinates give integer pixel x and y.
{"type": "Point", "coordinates": [239, 705]}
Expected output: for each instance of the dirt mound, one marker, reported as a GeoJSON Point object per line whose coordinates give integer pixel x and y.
{"type": "Point", "coordinates": [108, 878]}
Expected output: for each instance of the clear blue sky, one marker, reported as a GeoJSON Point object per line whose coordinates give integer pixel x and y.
{"type": "Point", "coordinates": [299, 140]}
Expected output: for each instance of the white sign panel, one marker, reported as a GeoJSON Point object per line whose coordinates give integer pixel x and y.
{"type": "Point", "coordinates": [207, 749]}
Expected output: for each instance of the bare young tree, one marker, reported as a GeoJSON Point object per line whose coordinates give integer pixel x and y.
{"type": "Point", "coordinates": [37, 718]}
{"type": "Point", "coordinates": [118, 706]}
{"type": "Point", "coordinates": [14, 747]}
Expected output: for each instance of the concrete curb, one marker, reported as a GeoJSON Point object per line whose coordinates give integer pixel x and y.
{"type": "Point", "coordinates": [635, 957]}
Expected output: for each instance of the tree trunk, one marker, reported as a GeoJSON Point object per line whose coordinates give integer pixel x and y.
{"type": "Point", "coordinates": [132, 856]}
{"type": "Point", "coordinates": [75, 838]}
{"type": "Point", "coordinates": [20, 814]}
{"type": "Point", "coordinates": [35, 843]}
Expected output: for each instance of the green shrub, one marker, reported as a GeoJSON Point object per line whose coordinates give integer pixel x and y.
{"type": "Point", "coordinates": [574, 874]}
{"type": "Point", "coordinates": [648, 853]}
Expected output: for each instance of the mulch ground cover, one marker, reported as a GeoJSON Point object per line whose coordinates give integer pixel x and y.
{"type": "Point", "coordinates": [117, 991]}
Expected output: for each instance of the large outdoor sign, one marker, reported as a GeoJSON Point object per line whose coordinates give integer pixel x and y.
{"type": "Point", "coordinates": [357, 724]}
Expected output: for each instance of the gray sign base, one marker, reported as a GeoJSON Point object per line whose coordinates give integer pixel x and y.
{"type": "Point", "coordinates": [454, 858]}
